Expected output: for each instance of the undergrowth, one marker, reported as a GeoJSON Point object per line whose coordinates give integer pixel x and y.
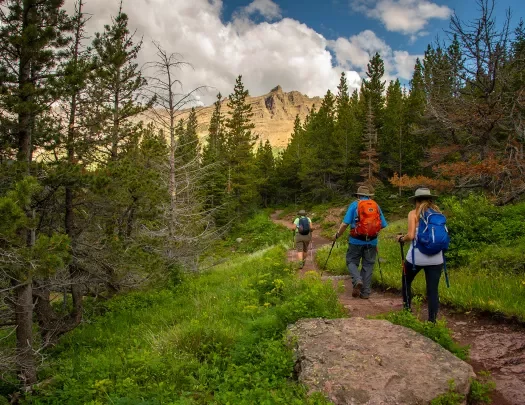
{"type": "Point", "coordinates": [216, 338]}
{"type": "Point", "coordinates": [480, 392]}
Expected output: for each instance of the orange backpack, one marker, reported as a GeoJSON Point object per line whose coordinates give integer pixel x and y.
{"type": "Point", "coordinates": [368, 222]}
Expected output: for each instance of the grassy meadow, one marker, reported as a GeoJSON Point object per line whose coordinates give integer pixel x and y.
{"type": "Point", "coordinates": [216, 338]}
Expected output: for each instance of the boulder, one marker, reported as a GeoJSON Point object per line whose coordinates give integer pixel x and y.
{"type": "Point", "coordinates": [374, 362]}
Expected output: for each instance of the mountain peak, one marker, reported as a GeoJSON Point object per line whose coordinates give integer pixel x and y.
{"type": "Point", "coordinates": [277, 89]}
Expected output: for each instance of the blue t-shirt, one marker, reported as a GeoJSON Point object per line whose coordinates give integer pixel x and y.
{"type": "Point", "coordinates": [351, 216]}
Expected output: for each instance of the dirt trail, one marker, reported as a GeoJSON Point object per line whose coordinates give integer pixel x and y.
{"type": "Point", "coordinates": [496, 345]}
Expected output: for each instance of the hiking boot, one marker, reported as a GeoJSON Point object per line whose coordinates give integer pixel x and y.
{"type": "Point", "coordinates": [356, 292]}
{"type": "Point", "coordinates": [364, 297]}
{"type": "Point", "coordinates": [301, 264]}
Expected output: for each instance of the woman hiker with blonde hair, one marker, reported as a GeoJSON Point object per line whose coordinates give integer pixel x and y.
{"type": "Point", "coordinates": [429, 261]}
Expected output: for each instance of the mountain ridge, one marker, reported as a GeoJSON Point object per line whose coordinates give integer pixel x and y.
{"type": "Point", "coordinates": [273, 114]}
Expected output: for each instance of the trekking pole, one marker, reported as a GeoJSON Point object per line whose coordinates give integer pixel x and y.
{"type": "Point", "coordinates": [333, 244]}
{"type": "Point", "coordinates": [445, 271]}
{"type": "Point", "coordinates": [404, 270]}
{"type": "Point", "coordinates": [379, 264]}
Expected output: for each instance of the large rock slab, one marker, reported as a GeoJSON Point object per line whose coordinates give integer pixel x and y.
{"type": "Point", "coordinates": [374, 362]}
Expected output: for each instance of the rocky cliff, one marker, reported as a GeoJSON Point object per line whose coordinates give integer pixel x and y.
{"type": "Point", "coordinates": [273, 114]}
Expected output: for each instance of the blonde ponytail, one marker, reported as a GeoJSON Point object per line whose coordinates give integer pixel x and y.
{"type": "Point", "coordinates": [424, 205]}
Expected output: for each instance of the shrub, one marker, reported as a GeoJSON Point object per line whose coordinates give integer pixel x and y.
{"type": "Point", "coordinates": [481, 389]}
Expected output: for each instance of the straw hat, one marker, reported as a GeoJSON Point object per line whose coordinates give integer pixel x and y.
{"type": "Point", "coordinates": [364, 191]}
{"type": "Point", "coordinates": [422, 192]}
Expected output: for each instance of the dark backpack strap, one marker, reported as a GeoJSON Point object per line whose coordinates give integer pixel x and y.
{"type": "Point", "coordinates": [414, 254]}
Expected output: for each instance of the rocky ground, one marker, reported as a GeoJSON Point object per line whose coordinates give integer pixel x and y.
{"type": "Point", "coordinates": [497, 345]}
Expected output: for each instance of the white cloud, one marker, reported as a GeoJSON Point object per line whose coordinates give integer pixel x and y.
{"type": "Point", "coordinates": [284, 52]}
{"type": "Point", "coordinates": [267, 8]}
{"type": "Point", "coordinates": [406, 16]}
{"type": "Point", "coordinates": [356, 51]}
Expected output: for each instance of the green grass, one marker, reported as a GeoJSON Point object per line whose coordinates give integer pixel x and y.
{"type": "Point", "coordinates": [437, 332]}
{"type": "Point", "coordinates": [217, 338]}
{"type": "Point", "coordinates": [473, 287]}
{"type": "Point", "coordinates": [257, 232]}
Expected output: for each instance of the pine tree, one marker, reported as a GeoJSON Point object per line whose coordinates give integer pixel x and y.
{"type": "Point", "coordinates": [373, 90]}
{"type": "Point", "coordinates": [32, 34]}
{"type": "Point", "coordinates": [322, 158]}
{"type": "Point", "coordinates": [417, 98]}
{"type": "Point", "coordinates": [242, 191]}
{"type": "Point", "coordinates": [214, 181]}
{"type": "Point", "coordinates": [369, 156]}
{"type": "Point", "coordinates": [288, 165]}
{"type": "Point", "coordinates": [347, 135]}
{"type": "Point", "coordinates": [265, 164]}
{"type": "Point", "coordinates": [395, 131]}
{"type": "Point", "coordinates": [188, 141]}
{"type": "Point", "coordinates": [116, 84]}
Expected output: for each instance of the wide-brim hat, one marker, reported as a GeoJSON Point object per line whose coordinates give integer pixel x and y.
{"type": "Point", "coordinates": [364, 191]}
{"type": "Point", "coordinates": [422, 192]}
{"type": "Point", "coordinates": [302, 212]}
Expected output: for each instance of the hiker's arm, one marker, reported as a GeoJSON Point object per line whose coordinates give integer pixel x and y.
{"type": "Point", "coordinates": [349, 219]}
{"type": "Point", "coordinates": [384, 224]}
{"type": "Point", "coordinates": [342, 229]}
{"type": "Point", "coordinates": [411, 234]}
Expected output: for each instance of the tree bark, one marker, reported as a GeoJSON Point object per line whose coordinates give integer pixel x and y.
{"type": "Point", "coordinates": [23, 302]}
{"type": "Point", "coordinates": [23, 305]}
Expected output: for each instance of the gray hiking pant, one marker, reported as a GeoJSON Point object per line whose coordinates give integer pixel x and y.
{"type": "Point", "coordinates": [366, 255]}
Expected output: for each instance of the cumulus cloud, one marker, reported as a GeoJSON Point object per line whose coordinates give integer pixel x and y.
{"type": "Point", "coordinates": [267, 8]}
{"type": "Point", "coordinates": [405, 16]}
{"type": "Point", "coordinates": [285, 52]}
{"type": "Point", "coordinates": [354, 53]}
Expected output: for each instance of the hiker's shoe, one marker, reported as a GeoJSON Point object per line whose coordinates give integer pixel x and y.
{"type": "Point", "coordinates": [301, 264]}
{"type": "Point", "coordinates": [356, 292]}
{"type": "Point", "coordinates": [364, 297]}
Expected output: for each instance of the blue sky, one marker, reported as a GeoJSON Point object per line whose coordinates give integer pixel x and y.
{"type": "Point", "coordinates": [301, 45]}
{"type": "Point", "coordinates": [338, 18]}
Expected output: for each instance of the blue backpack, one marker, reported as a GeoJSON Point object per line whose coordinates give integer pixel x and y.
{"type": "Point", "coordinates": [304, 226]}
{"type": "Point", "coordinates": [432, 233]}
{"type": "Point", "coordinates": [432, 237]}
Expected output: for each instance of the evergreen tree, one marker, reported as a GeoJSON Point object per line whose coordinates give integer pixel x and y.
{"type": "Point", "coordinates": [188, 140]}
{"type": "Point", "coordinates": [289, 163]}
{"type": "Point", "coordinates": [369, 157]}
{"type": "Point", "coordinates": [416, 100]}
{"type": "Point", "coordinates": [373, 90]}
{"type": "Point", "coordinates": [322, 158]}
{"type": "Point", "coordinates": [241, 187]}
{"type": "Point", "coordinates": [116, 84]}
{"type": "Point", "coordinates": [214, 181]}
{"type": "Point", "coordinates": [32, 34]}
{"type": "Point", "coordinates": [347, 135]}
{"type": "Point", "coordinates": [265, 163]}
{"type": "Point", "coordinates": [404, 152]}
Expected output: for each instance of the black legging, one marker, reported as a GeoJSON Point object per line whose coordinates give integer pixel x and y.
{"type": "Point", "coordinates": [432, 276]}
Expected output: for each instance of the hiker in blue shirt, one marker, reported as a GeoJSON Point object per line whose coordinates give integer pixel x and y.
{"type": "Point", "coordinates": [366, 221]}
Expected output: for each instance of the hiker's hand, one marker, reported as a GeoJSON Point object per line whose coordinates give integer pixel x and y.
{"type": "Point", "coordinates": [400, 238]}
{"type": "Point", "coordinates": [336, 236]}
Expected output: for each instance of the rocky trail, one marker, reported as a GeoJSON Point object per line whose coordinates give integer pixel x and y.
{"type": "Point", "coordinates": [496, 345]}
